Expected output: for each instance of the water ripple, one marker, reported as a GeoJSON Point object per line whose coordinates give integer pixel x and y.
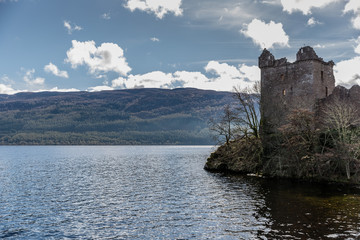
{"type": "Point", "coordinates": [154, 193]}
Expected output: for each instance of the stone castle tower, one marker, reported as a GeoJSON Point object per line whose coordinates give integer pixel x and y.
{"type": "Point", "coordinates": [286, 86]}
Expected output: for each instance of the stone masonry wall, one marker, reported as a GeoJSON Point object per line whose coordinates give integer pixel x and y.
{"type": "Point", "coordinates": [286, 86]}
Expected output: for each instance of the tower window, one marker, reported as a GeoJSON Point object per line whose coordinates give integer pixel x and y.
{"type": "Point", "coordinates": [283, 92]}
{"type": "Point", "coordinates": [326, 91]}
{"type": "Point", "coordinates": [322, 75]}
{"type": "Point", "coordinates": [282, 77]}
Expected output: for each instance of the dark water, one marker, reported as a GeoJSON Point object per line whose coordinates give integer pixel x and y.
{"type": "Point", "coordinates": [159, 193]}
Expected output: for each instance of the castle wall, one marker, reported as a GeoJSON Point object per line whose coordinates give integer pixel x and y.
{"type": "Point", "coordinates": [286, 86]}
{"type": "Point", "coordinates": [351, 95]}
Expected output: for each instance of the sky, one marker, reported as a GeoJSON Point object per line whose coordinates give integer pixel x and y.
{"type": "Point", "coordinates": [94, 45]}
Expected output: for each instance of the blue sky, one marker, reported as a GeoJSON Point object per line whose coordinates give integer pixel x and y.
{"type": "Point", "coordinates": [92, 45]}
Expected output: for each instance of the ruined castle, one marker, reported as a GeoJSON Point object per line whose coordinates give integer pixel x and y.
{"type": "Point", "coordinates": [302, 84]}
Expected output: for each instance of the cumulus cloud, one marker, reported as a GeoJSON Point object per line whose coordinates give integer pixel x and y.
{"type": "Point", "coordinates": [56, 89]}
{"type": "Point", "coordinates": [108, 57]}
{"type": "Point", "coordinates": [353, 6]}
{"type": "Point", "coordinates": [155, 79]}
{"type": "Point", "coordinates": [223, 78]}
{"type": "Point", "coordinates": [192, 80]}
{"type": "Point", "coordinates": [266, 35]}
{"type": "Point", "coordinates": [227, 76]}
{"type": "Point", "coordinates": [158, 7]}
{"type": "Point", "coordinates": [31, 80]}
{"type": "Point", "coordinates": [356, 22]}
{"type": "Point", "coordinates": [304, 6]}
{"type": "Point", "coordinates": [250, 73]}
{"type": "Point", "coordinates": [71, 28]}
{"type": "Point", "coordinates": [51, 68]}
{"type": "Point", "coordinates": [7, 89]}
{"type": "Point", "coordinates": [357, 48]}
{"type": "Point", "coordinates": [100, 88]}
{"type": "Point", "coordinates": [312, 22]}
{"type": "Point", "coordinates": [347, 72]}
{"type": "Point", "coordinates": [119, 83]}
{"type": "Point", "coordinates": [154, 39]}
{"type": "Point", "coordinates": [319, 46]}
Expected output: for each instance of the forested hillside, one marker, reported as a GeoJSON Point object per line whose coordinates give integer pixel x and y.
{"type": "Point", "coordinates": [137, 116]}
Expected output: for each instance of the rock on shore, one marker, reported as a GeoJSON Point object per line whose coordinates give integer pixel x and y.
{"type": "Point", "coordinates": [239, 156]}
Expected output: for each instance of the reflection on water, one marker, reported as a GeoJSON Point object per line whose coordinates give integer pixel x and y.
{"type": "Point", "coordinates": [317, 211]}
{"type": "Point", "coordinates": [158, 192]}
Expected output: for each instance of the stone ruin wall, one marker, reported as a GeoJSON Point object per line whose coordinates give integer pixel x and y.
{"type": "Point", "coordinates": [286, 86]}
{"type": "Point", "coordinates": [351, 96]}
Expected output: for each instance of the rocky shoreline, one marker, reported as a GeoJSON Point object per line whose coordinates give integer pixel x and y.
{"type": "Point", "coordinates": [237, 157]}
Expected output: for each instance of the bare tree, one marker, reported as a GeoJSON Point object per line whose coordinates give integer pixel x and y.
{"type": "Point", "coordinates": [223, 127]}
{"type": "Point", "coordinates": [248, 120]}
{"type": "Point", "coordinates": [298, 143]}
{"type": "Point", "coordinates": [244, 121]}
{"type": "Point", "coordinates": [342, 116]}
{"type": "Point", "coordinates": [341, 119]}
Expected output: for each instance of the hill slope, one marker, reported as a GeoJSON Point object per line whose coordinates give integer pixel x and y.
{"type": "Point", "coordinates": [137, 116]}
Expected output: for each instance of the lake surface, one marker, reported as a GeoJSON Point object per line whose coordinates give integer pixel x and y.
{"type": "Point", "coordinates": [159, 192]}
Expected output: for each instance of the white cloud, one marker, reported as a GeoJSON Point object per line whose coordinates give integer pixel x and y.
{"type": "Point", "coordinates": [155, 79]}
{"type": "Point", "coordinates": [356, 22]}
{"type": "Point", "coordinates": [347, 72]}
{"type": "Point", "coordinates": [7, 89]}
{"type": "Point", "coordinates": [312, 22]}
{"type": "Point", "coordinates": [304, 6]}
{"type": "Point", "coordinates": [227, 76]}
{"type": "Point", "coordinates": [222, 69]}
{"type": "Point", "coordinates": [71, 28]}
{"type": "Point", "coordinates": [352, 6]}
{"type": "Point", "coordinates": [108, 57]}
{"type": "Point", "coordinates": [51, 68]}
{"type": "Point", "coordinates": [357, 48]}
{"type": "Point", "coordinates": [154, 39]}
{"type": "Point", "coordinates": [118, 83]}
{"type": "Point", "coordinates": [55, 89]}
{"type": "Point", "coordinates": [106, 16]}
{"type": "Point", "coordinates": [100, 88]}
{"type": "Point", "coordinates": [191, 80]}
{"type": "Point", "coordinates": [224, 78]}
{"type": "Point", "coordinates": [250, 73]}
{"type": "Point", "coordinates": [266, 35]}
{"type": "Point", "coordinates": [319, 46]}
{"type": "Point", "coordinates": [31, 80]}
{"type": "Point", "coordinates": [158, 7]}
{"type": "Point", "coordinates": [6, 79]}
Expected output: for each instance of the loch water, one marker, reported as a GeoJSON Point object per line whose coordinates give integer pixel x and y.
{"type": "Point", "coordinates": [159, 192]}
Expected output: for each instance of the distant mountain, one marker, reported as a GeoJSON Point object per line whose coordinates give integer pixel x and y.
{"type": "Point", "coordinates": [136, 116]}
